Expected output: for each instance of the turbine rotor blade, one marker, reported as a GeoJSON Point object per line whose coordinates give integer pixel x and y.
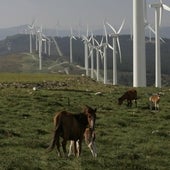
{"type": "Point", "coordinates": [166, 7]}
{"type": "Point", "coordinates": [110, 47]}
{"type": "Point", "coordinates": [121, 26]}
{"type": "Point", "coordinates": [160, 15]}
{"type": "Point", "coordinates": [96, 42]}
{"type": "Point", "coordinates": [92, 39]}
{"type": "Point", "coordinates": [105, 31]}
{"type": "Point", "coordinates": [101, 42]}
{"type": "Point", "coordinates": [111, 28]}
{"type": "Point", "coordinates": [153, 31]}
{"type": "Point", "coordinates": [120, 54]}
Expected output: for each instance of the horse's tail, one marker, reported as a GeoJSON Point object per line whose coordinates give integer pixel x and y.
{"type": "Point", "coordinates": [55, 139]}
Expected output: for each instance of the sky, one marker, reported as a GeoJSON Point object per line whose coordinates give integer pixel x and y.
{"type": "Point", "coordinates": [72, 13]}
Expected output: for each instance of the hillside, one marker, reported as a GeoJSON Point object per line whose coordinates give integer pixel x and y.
{"type": "Point", "coordinates": [134, 138]}
{"type": "Point", "coordinates": [15, 57]}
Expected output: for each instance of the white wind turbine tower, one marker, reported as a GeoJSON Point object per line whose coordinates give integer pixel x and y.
{"type": "Point", "coordinates": [105, 45]}
{"type": "Point", "coordinates": [98, 50]}
{"type": "Point", "coordinates": [86, 41]}
{"type": "Point", "coordinates": [49, 45]}
{"type": "Point", "coordinates": [116, 43]}
{"type": "Point", "coordinates": [36, 39]}
{"type": "Point", "coordinates": [92, 60]}
{"type": "Point", "coordinates": [40, 39]}
{"type": "Point", "coordinates": [71, 46]}
{"type": "Point", "coordinates": [139, 58]}
{"type": "Point", "coordinates": [31, 28]}
{"type": "Point", "coordinates": [158, 14]}
{"type": "Point", "coordinates": [91, 54]}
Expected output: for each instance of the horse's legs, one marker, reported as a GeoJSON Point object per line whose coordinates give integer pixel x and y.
{"type": "Point", "coordinates": [79, 148]}
{"type": "Point", "coordinates": [151, 105]}
{"type": "Point", "coordinates": [58, 146]}
{"type": "Point", "coordinates": [92, 147]}
{"type": "Point", "coordinates": [71, 148]}
{"type": "Point", "coordinates": [64, 142]}
{"type": "Point", "coordinates": [129, 103]}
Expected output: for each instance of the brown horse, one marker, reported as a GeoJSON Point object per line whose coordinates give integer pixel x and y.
{"type": "Point", "coordinates": [154, 101]}
{"type": "Point", "coordinates": [89, 136]}
{"type": "Point", "coordinates": [72, 127]}
{"type": "Point", "coordinates": [129, 96]}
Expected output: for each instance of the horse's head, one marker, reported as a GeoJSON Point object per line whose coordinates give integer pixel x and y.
{"type": "Point", "coordinates": [91, 116]}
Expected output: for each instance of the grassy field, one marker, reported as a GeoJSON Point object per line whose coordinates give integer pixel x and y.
{"type": "Point", "coordinates": [126, 138]}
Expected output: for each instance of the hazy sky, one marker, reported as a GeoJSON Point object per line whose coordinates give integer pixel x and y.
{"type": "Point", "coordinates": [75, 13]}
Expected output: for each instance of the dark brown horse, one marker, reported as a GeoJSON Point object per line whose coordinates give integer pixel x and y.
{"type": "Point", "coordinates": [129, 96]}
{"type": "Point", "coordinates": [72, 127]}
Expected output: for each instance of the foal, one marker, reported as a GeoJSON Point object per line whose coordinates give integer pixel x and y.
{"type": "Point", "coordinates": [154, 101]}
{"type": "Point", "coordinates": [89, 136]}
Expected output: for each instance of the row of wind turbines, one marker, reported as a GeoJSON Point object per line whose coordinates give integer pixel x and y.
{"type": "Point", "coordinates": [140, 22]}
{"type": "Point", "coordinates": [41, 41]}
{"type": "Point", "coordinates": [91, 45]}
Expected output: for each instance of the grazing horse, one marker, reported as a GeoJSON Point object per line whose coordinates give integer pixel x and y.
{"type": "Point", "coordinates": [72, 127]}
{"type": "Point", "coordinates": [129, 96]}
{"type": "Point", "coordinates": [154, 101]}
{"type": "Point", "coordinates": [89, 136]}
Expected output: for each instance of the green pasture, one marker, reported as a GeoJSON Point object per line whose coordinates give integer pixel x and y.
{"type": "Point", "coordinates": [126, 138]}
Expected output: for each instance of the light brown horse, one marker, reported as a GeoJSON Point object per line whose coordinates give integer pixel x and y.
{"type": "Point", "coordinates": [129, 96]}
{"type": "Point", "coordinates": [154, 101]}
{"type": "Point", "coordinates": [89, 136]}
{"type": "Point", "coordinates": [72, 127]}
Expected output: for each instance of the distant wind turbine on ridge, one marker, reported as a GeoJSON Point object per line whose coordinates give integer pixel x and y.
{"type": "Point", "coordinates": [98, 52]}
{"type": "Point", "coordinates": [31, 29]}
{"type": "Point", "coordinates": [86, 51]}
{"type": "Point", "coordinates": [71, 46]}
{"type": "Point", "coordinates": [40, 39]}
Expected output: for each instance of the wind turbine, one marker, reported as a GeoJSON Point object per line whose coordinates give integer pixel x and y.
{"type": "Point", "coordinates": [98, 51]}
{"type": "Point", "coordinates": [146, 23]}
{"type": "Point", "coordinates": [116, 43]}
{"type": "Point", "coordinates": [86, 41]}
{"type": "Point", "coordinates": [49, 45]}
{"type": "Point", "coordinates": [40, 39]}
{"type": "Point", "coordinates": [105, 60]}
{"type": "Point", "coordinates": [91, 55]}
{"type": "Point", "coordinates": [31, 28]}
{"type": "Point", "coordinates": [158, 15]}
{"type": "Point", "coordinates": [71, 50]}
{"type": "Point", "coordinates": [139, 57]}
{"type": "Point", "coordinates": [57, 47]}
{"type": "Point", "coordinates": [47, 42]}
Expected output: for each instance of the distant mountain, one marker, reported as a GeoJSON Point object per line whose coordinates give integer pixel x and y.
{"type": "Point", "coordinates": [4, 32]}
